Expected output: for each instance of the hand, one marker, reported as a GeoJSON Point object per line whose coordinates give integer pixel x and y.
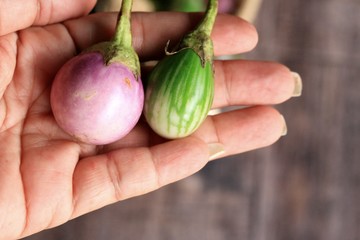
{"type": "Point", "coordinates": [47, 178]}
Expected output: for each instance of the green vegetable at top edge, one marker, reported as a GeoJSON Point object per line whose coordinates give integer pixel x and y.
{"type": "Point", "coordinates": [181, 86]}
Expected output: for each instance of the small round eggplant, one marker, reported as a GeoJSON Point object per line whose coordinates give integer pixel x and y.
{"type": "Point", "coordinates": [179, 94]}
{"type": "Point", "coordinates": [97, 96]}
{"type": "Point", "coordinates": [95, 103]}
{"type": "Point", "coordinates": [180, 88]}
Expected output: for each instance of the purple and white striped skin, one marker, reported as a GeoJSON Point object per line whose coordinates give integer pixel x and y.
{"type": "Point", "coordinates": [95, 103]}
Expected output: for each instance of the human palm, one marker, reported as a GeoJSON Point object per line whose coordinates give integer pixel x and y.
{"type": "Point", "coordinates": [48, 178]}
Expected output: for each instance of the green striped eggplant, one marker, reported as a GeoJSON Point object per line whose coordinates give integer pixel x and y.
{"type": "Point", "coordinates": [180, 89]}
{"type": "Point", "coordinates": [179, 94]}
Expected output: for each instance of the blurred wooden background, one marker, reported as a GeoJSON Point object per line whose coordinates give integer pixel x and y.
{"type": "Point", "coordinates": [305, 187]}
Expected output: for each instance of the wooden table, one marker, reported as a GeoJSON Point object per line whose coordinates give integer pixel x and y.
{"type": "Point", "coordinates": [306, 186]}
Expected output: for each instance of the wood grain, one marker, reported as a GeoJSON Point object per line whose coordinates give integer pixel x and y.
{"type": "Point", "coordinates": [306, 186]}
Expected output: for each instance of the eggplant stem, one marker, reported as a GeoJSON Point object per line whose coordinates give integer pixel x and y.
{"type": "Point", "coordinates": [120, 48]}
{"type": "Point", "coordinates": [207, 23]}
{"type": "Point", "coordinates": [122, 35]}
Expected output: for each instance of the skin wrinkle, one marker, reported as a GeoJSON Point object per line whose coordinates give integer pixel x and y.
{"type": "Point", "coordinates": [75, 192]}
{"type": "Point", "coordinates": [3, 114]}
{"type": "Point", "coordinates": [6, 75]}
{"type": "Point", "coordinates": [216, 131]}
{"type": "Point", "coordinates": [24, 61]}
{"type": "Point", "coordinates": [6, 70]}
{"type": "Point", "coordinates": [74, 199]}
{"type": "Point", "coordinates": [226, 69]}
{"type": "Point", "coordinates": [38, 11]}
{"type": "Point", "coordinates": [52, 10]}
{"type": "Point", "coordinates": [167, 166]}
{"type": "Point", "coordinates": [78, 46]}
{"type": "Point", "coordinates": [27, 205]}
{"type": "Point", "coordinates": [44, 12]}
{"type": "Point", "coordinates": [20, 227]}
{"type": "Point", "coordinates": [114, 175]}
{"type": "Point", "coordinates": [139, 42]}
{"type": "Point", "coordinates": [26, 208]}
{"type": "Point", "coordinates": [77, 196]}
{"type": "Point", "coordinates": [148, 155]}
{"type": "Point", "coordinates": [227, 84]}
{"type": "Point", "coordinates": [27, 217]}
{"type": "Point", "coordinates": [12, 122]}
{"type": "Point", "coordinates": [158, 181]}
{"type": "Point", "coordinates": [59, 209]}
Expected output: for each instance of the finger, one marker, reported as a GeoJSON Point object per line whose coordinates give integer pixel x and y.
{"type": "Point", "coordinates": [243, 130]}
{"type": "Point", "coordinates": [19, 14]}
{"type": "Point", "coordinates": [239, 131]}
{"type": "Point", "coordinates": [240, 82]}
{"type": "Point", "coordinates": [125, 173]}
{"type": "Point", "coordinates": [151, 31]}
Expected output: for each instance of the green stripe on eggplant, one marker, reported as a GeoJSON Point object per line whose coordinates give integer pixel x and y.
{"type": "Point", "coordinates": [179, 94]}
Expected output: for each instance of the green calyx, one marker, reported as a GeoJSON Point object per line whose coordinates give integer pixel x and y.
{"type": "Point", "coordinates": [199, 40]}
{"type": "Point", "coordinates": [120, 48]}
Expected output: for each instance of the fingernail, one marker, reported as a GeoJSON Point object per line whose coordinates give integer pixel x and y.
{"type": "Point", "coordinates": [298, 84]}
{"type": "Point", "coordinates": [284, 130]}
{"type": "Point", "coordinates": [215, 150]}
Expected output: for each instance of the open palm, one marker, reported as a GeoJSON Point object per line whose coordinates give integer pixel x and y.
{"type": "Point", "coordinates": [48, 178]}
